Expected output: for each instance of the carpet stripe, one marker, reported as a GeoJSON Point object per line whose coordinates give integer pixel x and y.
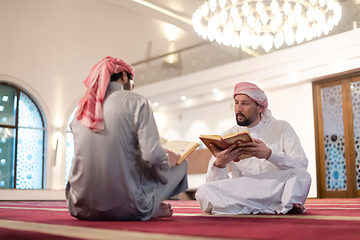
{"type": "Point", "coordinates": [174, 207]}
{"type": "Point", "coordinates": [30, 208]}
{"type": "Point", "coordinates": [330, 208]}
{"type": "Point", "coordinates": [65, 209]}
{"type": "Point", "coordinates": [184, 207]}
{"type": "Point", "coordinates": [91, 233]}
{"type": "Point", "coordinates": [331, 204]}
{"type": "Point", "coordinates": [312, 217]}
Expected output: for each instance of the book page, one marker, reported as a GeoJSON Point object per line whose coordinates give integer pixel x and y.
{"type": "Point", "coordinates": [183, 148]}
{"type": "Point", "coordinates": [176, 146]}
{"type": "Point", "coordinates": [238, 139]}
{"type": "Point", "coordinates": [230, 135]}
{"type": "Point", "coordinates": [163, 140]}
{"type": "Point", "coordinates": [215, 137]}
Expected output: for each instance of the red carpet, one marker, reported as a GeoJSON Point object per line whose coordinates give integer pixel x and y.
{"type": "Point", "coordinates": [9, 234]}
{"type": "Point", "coordinates": [324, 219]}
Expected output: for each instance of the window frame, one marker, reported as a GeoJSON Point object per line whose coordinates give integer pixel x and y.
{"type": "Point", "coordinates": [16, 127]}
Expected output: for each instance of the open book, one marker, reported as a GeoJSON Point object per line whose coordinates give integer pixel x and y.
{"type": "Point", "coordinates": [184, 148]}
{"type": "Point", "coordinates": [226, 141]}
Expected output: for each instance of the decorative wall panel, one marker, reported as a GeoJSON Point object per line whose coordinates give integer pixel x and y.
{"type": "Point", "coordinates": [355, 98]}
{"type": "Point", "coordinates": [29, 115]}
{"type": "Point", "coordinates": [332, 111]}
{"type": "Point", "coordinates": [29, 160]}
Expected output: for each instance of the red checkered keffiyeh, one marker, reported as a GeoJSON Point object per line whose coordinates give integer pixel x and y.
{"type": "Point", "coordinates": [89, 111]}
{"type": "Point", "coordinates": [256, 94]}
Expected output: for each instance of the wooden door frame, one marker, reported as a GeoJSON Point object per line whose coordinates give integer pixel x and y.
{"type": "Point", "coordinates": [344, 80]}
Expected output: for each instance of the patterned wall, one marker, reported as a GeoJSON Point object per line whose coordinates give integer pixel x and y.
{"type": "Point", "coordinates": [29, 160]}
{"type": "Point", "coordinates": [335, 167]}
{"type": "Point", "coordinates": [355, 98]}
{"type": "Point", "coordinates": [29, 170]}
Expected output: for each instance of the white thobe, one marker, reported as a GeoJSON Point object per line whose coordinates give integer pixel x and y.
{"type": "Point", "coordinates": [259, 185]}
{"type": "Point", "coordinates": [122, 172]}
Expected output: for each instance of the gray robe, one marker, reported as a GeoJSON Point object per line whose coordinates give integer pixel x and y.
{"type": "Point", "coordinates": [122, 172]}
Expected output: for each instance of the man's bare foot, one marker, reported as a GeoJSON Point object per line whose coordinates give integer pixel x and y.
{"type": "Point", "coordinates": [164, 210]}
{"type": "Point", "coordinates": [297, 209]}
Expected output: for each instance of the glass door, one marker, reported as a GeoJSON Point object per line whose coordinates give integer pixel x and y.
{"type": "Point", "coordinates": [337, 124]}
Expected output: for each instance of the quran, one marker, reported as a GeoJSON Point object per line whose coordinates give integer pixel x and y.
{"type": "Point", "coordinates": [184, 148]}
{"type": "Point", "coordinates": [226, 141]}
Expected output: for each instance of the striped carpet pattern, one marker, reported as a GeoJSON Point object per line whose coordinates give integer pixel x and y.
{"type": "Point", "coordinates": [324, 219]}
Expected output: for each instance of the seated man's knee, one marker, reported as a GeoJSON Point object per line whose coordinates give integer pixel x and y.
{"type": "Point", "coordinates": [183, 166]}
{"type": "Point", "coordinates": [307, 176]}
{"type": "Point", "coordinates": [200, 189]}
{"type": "Point", "coordinates": [303, 176]}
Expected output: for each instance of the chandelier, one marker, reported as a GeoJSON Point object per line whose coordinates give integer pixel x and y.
{"type": "Point", "coordinates": [267, 23]}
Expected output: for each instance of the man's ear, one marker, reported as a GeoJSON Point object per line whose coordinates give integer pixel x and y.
{"type": "Point", "coordinates": [261, 108]}
{"type": "Point", "coordinates": [125, 77]}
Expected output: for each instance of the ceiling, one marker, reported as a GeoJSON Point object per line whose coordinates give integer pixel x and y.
{"type": "Point", "coordinates": [179, 14]}
{"type": "Point", "coordinates": [196, 54]}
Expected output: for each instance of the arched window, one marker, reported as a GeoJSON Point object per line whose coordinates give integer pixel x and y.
{"type": "Point", "coordinates": [69, 146]}
{"type": "Point", "coordinates": [22, 135]}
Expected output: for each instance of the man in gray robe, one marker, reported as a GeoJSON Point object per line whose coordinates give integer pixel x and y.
{"type": "Point", "coordinates": [120, 170]}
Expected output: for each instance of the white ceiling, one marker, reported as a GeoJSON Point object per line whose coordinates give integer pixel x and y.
{"type": "Point", "coordinates": [143, 17]}
{"type": "Point", "coordinates": [179, 13]}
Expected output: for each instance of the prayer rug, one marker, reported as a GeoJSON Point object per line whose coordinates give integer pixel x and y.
{"type": "Point", "coordinates": [324, 219]}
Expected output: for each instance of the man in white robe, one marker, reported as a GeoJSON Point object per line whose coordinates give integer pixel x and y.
{"type": "Point", "coordinates": [120, 170]}
{"type": "Point", "coordinates": [273, 181]}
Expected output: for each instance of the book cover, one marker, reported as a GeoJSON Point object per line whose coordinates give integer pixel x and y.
{"type": "Point", "coordinates": [184, 148]}
{"type": "Point", "coordinates": [226, 141]}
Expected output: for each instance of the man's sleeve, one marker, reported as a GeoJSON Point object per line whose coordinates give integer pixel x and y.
{"type": "Point", "coordinates": [153, 153]}
{"type": "Point", "coordinates": [292, 155]}
{"type": "Point", "coordinates": [214, 173]}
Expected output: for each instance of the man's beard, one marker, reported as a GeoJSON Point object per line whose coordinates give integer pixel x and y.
{"type": "Point", "coordinates": [245, 122]}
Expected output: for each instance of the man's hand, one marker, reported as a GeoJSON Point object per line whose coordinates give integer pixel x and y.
{"type": "Point", "coordinates": [226, 156]}
{"type": "Point", "coordinates": [173, 157]}
{"type": "Point", "coordinates": [257, 149]}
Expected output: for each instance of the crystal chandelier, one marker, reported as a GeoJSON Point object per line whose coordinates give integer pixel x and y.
{"type": "Point", "coordinates": [267, 23]}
